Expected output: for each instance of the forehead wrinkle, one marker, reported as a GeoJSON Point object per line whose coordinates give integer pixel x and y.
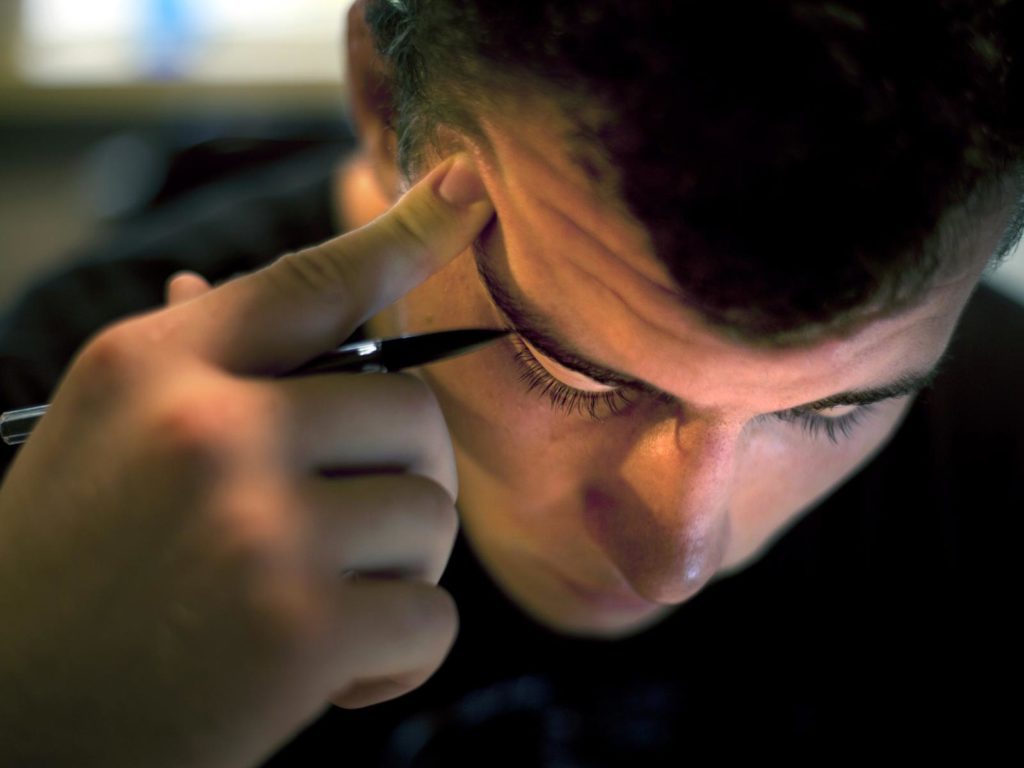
{"type": "Point", "coordinates": [497, 277]}
{"type": "Point", "coordinates": [645, 267]}
{"type": "Point", "coordinates": [533, 192]}
{"type": "Point", "coordinates": [672, 336]}
{"type": "Point", "coordinates": [664, 296]}
{"type": "Point", "coordinates": [682, 375]}
{"type": "Point", "coordinates": [670, 317]}
{"type": "Point", "coordinates": [553, 181]}
{"type": "Point", "coordinates": [906, 383]}
{"type": "Point", "coordinates": [666, 313]}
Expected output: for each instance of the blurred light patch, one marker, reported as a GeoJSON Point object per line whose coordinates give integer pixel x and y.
{"type": "Point", "coordinates": [110, 42]}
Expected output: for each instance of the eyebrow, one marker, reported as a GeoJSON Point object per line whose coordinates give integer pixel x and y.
{"type": "Point", "coordinates": [539, 331]}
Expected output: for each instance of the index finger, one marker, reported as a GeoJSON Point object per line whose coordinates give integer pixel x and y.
{"type": "Point", "coordinates": [307, 302]}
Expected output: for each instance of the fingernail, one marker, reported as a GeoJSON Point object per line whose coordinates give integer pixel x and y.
{"type": "Point", "coordinates": [462, 186]}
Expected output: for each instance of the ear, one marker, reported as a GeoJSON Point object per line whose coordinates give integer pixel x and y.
{"type": "Point", "coordinates": [370, 102]}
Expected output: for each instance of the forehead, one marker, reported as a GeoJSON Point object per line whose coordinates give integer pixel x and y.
{"type": "Point", "coordinates": [586, 264]}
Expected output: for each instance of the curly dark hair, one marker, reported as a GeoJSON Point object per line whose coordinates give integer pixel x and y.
{"type": "Point", "coordinates": [793, 160]}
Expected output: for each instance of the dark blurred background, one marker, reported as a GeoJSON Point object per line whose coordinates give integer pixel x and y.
{"type": "Point", "coordinates": [101, 99]}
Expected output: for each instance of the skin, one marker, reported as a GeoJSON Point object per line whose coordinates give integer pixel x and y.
{"type": "Point", "coordinates": [640, 511]}
{"type": "Point", "coordinates": [602, 529]}
{"type": "Point", "coordinates": [236, 499]}
{"type": "Point", "coordinates": [233, 549]}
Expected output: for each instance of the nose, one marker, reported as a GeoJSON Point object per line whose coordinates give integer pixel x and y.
{"type": "Point", "coordinates": [663, 517]}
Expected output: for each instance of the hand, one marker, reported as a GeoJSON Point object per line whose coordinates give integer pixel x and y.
{"type": "Point", "coordinates": [178, 534]}
{"type": "Point", "coordinates": [185, 286]}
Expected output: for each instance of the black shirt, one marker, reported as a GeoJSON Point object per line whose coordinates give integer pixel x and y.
{"type": "Point", "coordinates": [884, 617]}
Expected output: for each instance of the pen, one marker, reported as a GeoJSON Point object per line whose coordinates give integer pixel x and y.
{"type": "Point", "coordinates": [370, 356]}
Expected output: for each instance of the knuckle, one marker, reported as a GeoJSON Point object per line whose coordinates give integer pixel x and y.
{"type": "Point", "coordinates": [431, 613]}
{"type": "Point", "coordinates": [257, 537]}
{"type": "Point", "coordinates": [444, 617]}
{"type": "Point", "coordinates": [435, 455]}
{"type": "Point", "coordinates": [205, 426]}
{"type": "Point", "coordinates": [110, 357]}
{"type": "Point", "coordinates": [192, 426]}
{"type": "Point", "coordinates": [436, 505]}
{"type": "Point", "coordinates": [311, 272]}
{"type": "Point", "coordinates": [410, 231]}
{"type": "Point", "coordinates": [418, 397]}
{"type": "Point", "coordinates": [288, 612]}
{"type": "Point", "coordinates": [253, 526]}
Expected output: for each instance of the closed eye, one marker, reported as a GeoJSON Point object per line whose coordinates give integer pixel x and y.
{"type": "Point", "coordinates": [598, 406]}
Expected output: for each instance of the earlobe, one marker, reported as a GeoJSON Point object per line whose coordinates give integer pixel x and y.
{"type": "Point", "coordinates": [370, 102]}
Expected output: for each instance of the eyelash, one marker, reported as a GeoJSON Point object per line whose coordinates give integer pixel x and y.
{"type": "Point", "coordinates": [813, 423]}
{"type": "Point", "coordinates": [569, 399]}
{"type": "Point", "coordinates": [562, 396]}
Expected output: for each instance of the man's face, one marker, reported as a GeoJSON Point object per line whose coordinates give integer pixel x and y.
{"type": "Point", "coordinates": [602, 527]}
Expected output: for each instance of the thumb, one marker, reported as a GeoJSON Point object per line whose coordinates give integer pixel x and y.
{"type": "Point", "coordinates": [307, 302]}
{"type": "Point", "coordinates": [183, 286]}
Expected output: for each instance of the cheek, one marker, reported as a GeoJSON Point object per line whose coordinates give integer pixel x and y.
{"type": "Point", "coordinates": [476, 392]}
{"type": "Point", "coordinates": [518, 480]}
{"type": "Point", "coordinates": [494, 422]}
{"type": "Point", "coordinates": [491, 416]}
{"type": "Point", "coordinates": [785, 474]}
{"type": "Point", "coordinates": [522, 465]}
